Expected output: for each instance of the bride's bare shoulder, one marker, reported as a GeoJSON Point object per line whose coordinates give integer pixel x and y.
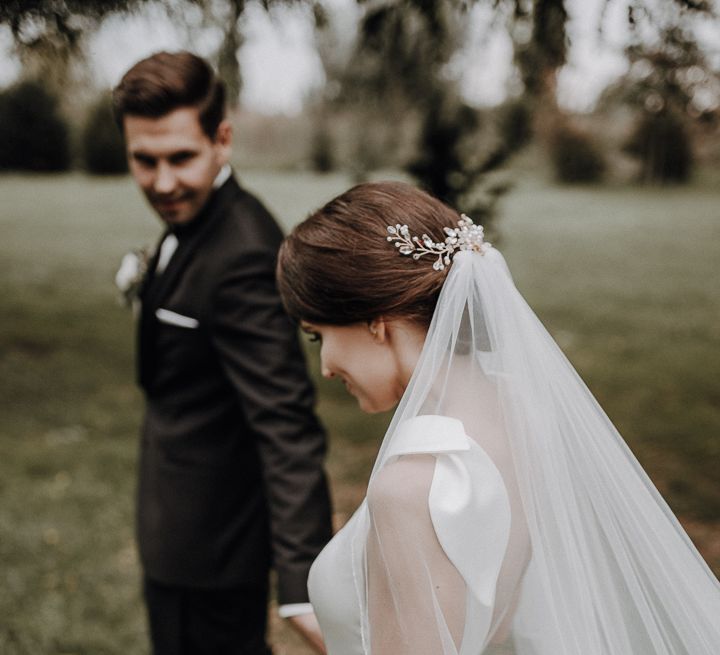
{"type": "Point", "coordinates": [402, 485]}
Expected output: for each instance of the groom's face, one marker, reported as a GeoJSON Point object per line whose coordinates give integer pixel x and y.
{"type": "Point", "coordinates": [174, 162]}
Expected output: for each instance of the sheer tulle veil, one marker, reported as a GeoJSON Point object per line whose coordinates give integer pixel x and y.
{"type": "Point", "coordinates": [593, 562]}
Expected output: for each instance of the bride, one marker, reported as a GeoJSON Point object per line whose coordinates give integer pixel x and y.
{"type": "Point", "coordinates": [504, 513]}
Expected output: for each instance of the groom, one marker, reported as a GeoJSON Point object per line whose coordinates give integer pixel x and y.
{"type": "Point", "coordinates": [231, 459]}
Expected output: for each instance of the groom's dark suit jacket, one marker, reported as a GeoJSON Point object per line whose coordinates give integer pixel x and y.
{"type": "Point", "coordinates": [231, 473]}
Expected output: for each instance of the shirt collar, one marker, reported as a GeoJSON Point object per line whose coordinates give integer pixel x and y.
{"type": "Point", "coordinates": [184, 229]}
{"type": "Point", "coordinates": [222, 176]}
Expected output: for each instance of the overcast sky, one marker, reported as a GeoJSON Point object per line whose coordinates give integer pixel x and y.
{"type": "Point", "coordinates": [280, 65]}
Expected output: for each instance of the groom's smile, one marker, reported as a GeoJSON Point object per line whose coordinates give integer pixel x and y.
{"type": "Point", "coordinates": [174, 161]}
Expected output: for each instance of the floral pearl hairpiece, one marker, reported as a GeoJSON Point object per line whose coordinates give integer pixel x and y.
{"type": "Point", "coordinates": [466, 236]}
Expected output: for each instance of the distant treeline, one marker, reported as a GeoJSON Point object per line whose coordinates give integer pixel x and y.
{"type": "Point", "coordinates": [36, 136]}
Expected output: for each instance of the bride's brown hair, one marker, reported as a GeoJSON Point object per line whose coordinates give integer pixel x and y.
{"type": "Point", "coordinates": [338, 268]}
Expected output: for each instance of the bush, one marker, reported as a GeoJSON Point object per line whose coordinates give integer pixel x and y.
{"type": "Point", "coordinates": [663, 146]}
{"type": "Point", "coordinates": [33, 134]}
{"type": "Point", "coordinates": [575, 156]}
{"type": "Point", "coordinates": [515, 124]}
{"type": "Point", "coordinates": [103, 146]}
{"type": "Point", "coordinates": [321, 151]}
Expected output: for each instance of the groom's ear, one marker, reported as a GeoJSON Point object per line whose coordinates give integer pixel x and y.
{"type": "Point", "coordinates": [223, 141]}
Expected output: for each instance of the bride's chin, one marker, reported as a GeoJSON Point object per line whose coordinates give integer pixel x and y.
{"type": "Point", "coordinates": [370, 407]}
{"type": "Point", "coordinates": [365, 405]}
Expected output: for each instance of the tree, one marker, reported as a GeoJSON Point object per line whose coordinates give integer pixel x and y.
{"type": "Point", "coordinates": [539, 33]}
{"type": "Point", "coordinates": [575, 156]}
{"type": "Point", "coordinates": [390, 74]}
{"type": "Point", "coordinates": [49, 41]}
{"type": "Point", "coordinates": [398, 75]}
{"type": "Point", "coordinates": [538, 28]}
{"type": "Point", "coordinates": [52, 30]}
{"type": "Point", "coordinates": [34, 136]}
{"type": "Point", "coordinates": [224, 18]}
{"type": "Point", "coordinates": [48, 34]}
{"type": "Point", "coordinates": [103, 146]}
{"type": "Point", "coordinates": [228, 64]}
{"type": "Point", "coordinates": [660, 88]}
{"type": "Point", "coordinates": [672, 87]}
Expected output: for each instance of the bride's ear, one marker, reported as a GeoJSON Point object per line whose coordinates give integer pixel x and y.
{"type": "Point", "coordinates": [378, 330]}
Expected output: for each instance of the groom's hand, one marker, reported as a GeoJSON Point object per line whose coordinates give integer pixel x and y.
{"type": "Point", "coordinates": [307, 626]}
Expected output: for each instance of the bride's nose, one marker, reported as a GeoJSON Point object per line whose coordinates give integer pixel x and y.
{"type": "Point", "coordinates": [325, 370]}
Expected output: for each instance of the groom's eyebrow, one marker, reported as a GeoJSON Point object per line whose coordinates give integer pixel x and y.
{"type": "Point", "coordinates": [182, 154]}
{"type": "Point", "coordinates": [178, 156]}
{"type": "Point", "coordinates": [142, 156]}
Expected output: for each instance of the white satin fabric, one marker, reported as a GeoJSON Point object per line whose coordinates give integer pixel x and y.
{"type": "Point", "coordinates": [465, 487]}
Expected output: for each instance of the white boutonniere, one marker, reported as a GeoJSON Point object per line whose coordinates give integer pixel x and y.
{"type": "Point", "coordinates": [130, 275]}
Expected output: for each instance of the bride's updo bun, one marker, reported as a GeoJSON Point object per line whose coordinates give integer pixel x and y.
{"type": "Point", "coordinates": [338, 268]}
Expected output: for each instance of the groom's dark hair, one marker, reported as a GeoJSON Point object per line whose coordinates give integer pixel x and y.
{"type": "Point", "coordinates": [167, 81]}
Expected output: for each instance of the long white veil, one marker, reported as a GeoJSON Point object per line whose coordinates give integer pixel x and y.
{"type": "Point", "coordinates": [544, 536]}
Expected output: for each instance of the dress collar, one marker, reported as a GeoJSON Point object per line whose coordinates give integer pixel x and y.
{"type": "Point", "coordinates": [429, 433]}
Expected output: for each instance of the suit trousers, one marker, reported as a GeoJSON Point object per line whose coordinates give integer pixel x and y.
{"type": "Point", "coordinates": [186, 621]}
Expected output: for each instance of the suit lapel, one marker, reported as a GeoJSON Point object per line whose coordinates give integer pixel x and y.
{"type": "Point", "coordinates": [188, 246]}
{"type": "Point", "coordinates": [152, 265]}
{"type": "Point", "coordinates": [158, 287]}
{"type": "Point", "coordinates": [144, 334]}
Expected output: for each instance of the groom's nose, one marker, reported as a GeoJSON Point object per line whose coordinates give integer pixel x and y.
{"type": "Point", "coordinates": [165, 179]}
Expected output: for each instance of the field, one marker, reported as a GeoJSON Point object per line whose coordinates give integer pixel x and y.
{"type": "Point", "coordinates": [626, 279]}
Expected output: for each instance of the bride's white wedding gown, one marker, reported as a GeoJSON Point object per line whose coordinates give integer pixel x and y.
{"type": "Point", "coordinates": [505, 513]}
{"type": "Point", "coordinates": [418, 509]}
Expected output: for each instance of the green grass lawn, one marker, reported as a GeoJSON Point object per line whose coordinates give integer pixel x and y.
{"type": "Point", "coordinates": [625, 279]}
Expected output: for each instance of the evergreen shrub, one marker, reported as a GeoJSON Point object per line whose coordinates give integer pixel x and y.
{"type": "Point", "coordinates": [33, 134]}
{"type": "Point", "coordinates": [575, 156]}
{"type": "Point", "coordinates": [103, 146]}
{"type": "Point", "coordinates": [515, 124]}
{"type": "Point", "coordinates": [322, 158]}
{"type": "Point", "coordinates": [662, 144]}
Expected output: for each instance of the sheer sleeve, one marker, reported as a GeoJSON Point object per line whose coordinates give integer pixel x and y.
{"type": "Point", "coordinates": [438, 537]}
{"type": "Point", "coordinates": [416, 595]}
